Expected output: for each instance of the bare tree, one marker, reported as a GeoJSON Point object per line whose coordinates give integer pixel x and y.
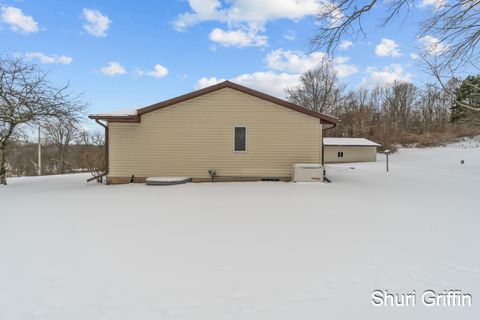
{"type": "Point", "coordinates": [444, 73]}
{"type": "Point", "coordinates": [320, 89]}
{"type": "Point", "coordinates": [400, 105]}
{"type": "Point", "coordinates": [456, 25]}
{"type": "Point", "coordinates": [358, 115]}
{"type": "Point", "coordinates": [344, 18]}
{"type": "Point", "coordinates": [451, 33]}
{"type": "Point", "coordinates": [61, 134]}
{"type": "Point", "coordinates": [434, 108]}
{"type": "Point", "coordinates": [27, 97]}
{"type": "Point", "coordinates": [93, 152]}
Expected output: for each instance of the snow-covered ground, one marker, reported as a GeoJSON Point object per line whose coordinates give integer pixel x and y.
{"type": "Point", "coordinates": [269, 250]}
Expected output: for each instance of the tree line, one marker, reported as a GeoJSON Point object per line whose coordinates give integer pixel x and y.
{"type": "Point", "coordinates": [450, 33]}
{"type": "Point", "coordinates": [395, 113]}
{"type": "Point", "coordinates": [84, 152]}
{"type": "Point", "coordinates": [29, 100]}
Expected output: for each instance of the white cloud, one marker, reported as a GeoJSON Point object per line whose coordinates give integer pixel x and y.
{"type": "Point", "coordinates": [331, 12]}
{"type": "Point", "coordinates": [293, 61]}
{"type": "Point", "coordinates": [237, 38]}
{"type": "Point", "coordinates": [202, 10]}
{"type": "Point", "coordinates": [345, 45]}
{"type": "Point", "coordinates": [268, 82]}
{"type": "Point", "coordinates": [298, 62]}
{"type": "Point", "coordinates": [290, 35]}
{"type": "Point", "coordinates": [414, 56]}
{"type": "Point", "coordinates": [207, 82]}
{"type": "Point", "coordinates": [17, 21]}
{"type": "Point", "coordinates": [387, 48]}
{"type": "Point", "coordinates": [251, 15]}
{"type": "Point", "coordinates": [95, 23]}
{"type": "Point", "coordinates": [435, 4]}
{"type": "Point", "coordinates": [389, 74]}
{"type": "Point", "coordinates": [342, 68]}
{"type": "Point", "coordinates": [113, 69]}
{"type": "Point", "coordinates": [289, 66]}
{"type": "Point", "coordinates": [158, 71]}
{"type": "Point", "coordinates": [252, 12]}
{"type": "Point", "coordinates": [432, 45]}
{"type": "Point", "coordinates": [48, 59]}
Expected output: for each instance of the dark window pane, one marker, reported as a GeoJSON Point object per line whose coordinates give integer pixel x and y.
{"type": "Point", "coordinates": [240, 139]}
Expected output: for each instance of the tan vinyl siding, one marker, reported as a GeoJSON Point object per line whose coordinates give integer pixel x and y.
{"type": "Point", "coordinates": [188, 138]}
{"type": "Point", "coordinates": [350, 154]}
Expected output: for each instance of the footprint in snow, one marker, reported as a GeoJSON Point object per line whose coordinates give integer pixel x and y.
{"type": "Point", "coordinates": [357, 280]}
{"type": "Point", "coordinates": [325, 295]}
{"type": "Point", "coordinates": [168, 311]}
{"type": "Point", "coordinates": [57, 283]}
{"type": "Point", "coordinates": [173, 311]}
{"type": "Point", "coordinates": [461, 269]}
{"type": "Point", "coordinates": [333, 283]}
{"type": "Point", "coordinates": [54, 302]}
{"type": "Point", "coordinates": [228, 271]}
{"type": "Point", "coordinates": [39, 310]}
{"type": "Point", "coordinates": [377, 261]}
{"type": "Point", "coordinates": [414, 268]}
{"type": "Point", "coordinates": [107, 299]}
{"type": "Point", "coordinates": [249, 310]}
{"type": "Point", "coordinates": [236, 295]}
{"type": "Point", "coordinates": [383, 282]}
{"type": "Point", "coordinates": [300, 297]}
{"type": "Point", "coordinates": [419, 278]}
{"type": "Point", "coordinates": [297, 298]}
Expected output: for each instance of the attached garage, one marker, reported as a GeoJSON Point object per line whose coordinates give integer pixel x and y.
{"type": "Point", "coordinates": [349, 150]}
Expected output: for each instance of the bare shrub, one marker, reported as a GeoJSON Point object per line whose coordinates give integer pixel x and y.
{"type": "Point", "coordinates": [93, 152]}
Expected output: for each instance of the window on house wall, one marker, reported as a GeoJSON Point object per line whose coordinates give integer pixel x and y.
{"type": "Point", "coordinates": [340, 154]}
{"type": "Point", "coordinates": [240, 139]}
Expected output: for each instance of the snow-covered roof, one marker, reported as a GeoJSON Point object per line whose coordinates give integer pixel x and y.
{"type": "Point", "coordinates": [117, 113]}
{"type": "Point", "coordinates": [349, 142]}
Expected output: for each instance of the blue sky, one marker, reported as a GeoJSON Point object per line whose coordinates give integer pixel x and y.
{"type": "Point", "coordinates": [123, 54]}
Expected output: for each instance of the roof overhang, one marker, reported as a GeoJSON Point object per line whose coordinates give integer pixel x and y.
{"type": "Point", "coordinates": [349, 142]}
{"type": "Point", "coordinates": [111, 118]}
{"type": "Point", "coordinates": [226, 84]}
{"type": "Point", "coordinates": [351, 145]}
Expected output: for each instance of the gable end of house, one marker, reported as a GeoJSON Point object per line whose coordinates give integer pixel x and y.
{"type": "Point", "coordinates": [136, 118]}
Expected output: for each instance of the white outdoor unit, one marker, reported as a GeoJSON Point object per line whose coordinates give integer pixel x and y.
{"type": "Point", "coordinates": [307, 172]}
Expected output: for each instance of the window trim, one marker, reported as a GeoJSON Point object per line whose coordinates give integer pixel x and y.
{"type": "Point", "coordinates": [246, 138]}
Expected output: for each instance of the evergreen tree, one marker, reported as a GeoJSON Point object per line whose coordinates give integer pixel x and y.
{"type": "Point", "coordinates": [466, 107]}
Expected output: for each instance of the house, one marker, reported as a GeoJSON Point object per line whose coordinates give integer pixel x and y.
{"type": "Point", "coordinates": [241, 133]}
{"type": "Point", "coordinates": [349, 150]}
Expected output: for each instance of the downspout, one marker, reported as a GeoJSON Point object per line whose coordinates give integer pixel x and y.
{"type": "Point", "coordinates": [323, 152]}
{"type": "Point", "coordinates": [106, 143]}
{"type": "Point", "coordinates": [324, 178]}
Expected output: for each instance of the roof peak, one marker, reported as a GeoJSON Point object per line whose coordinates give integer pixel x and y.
{"type": "Point", "coordinates": [218, 86]}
